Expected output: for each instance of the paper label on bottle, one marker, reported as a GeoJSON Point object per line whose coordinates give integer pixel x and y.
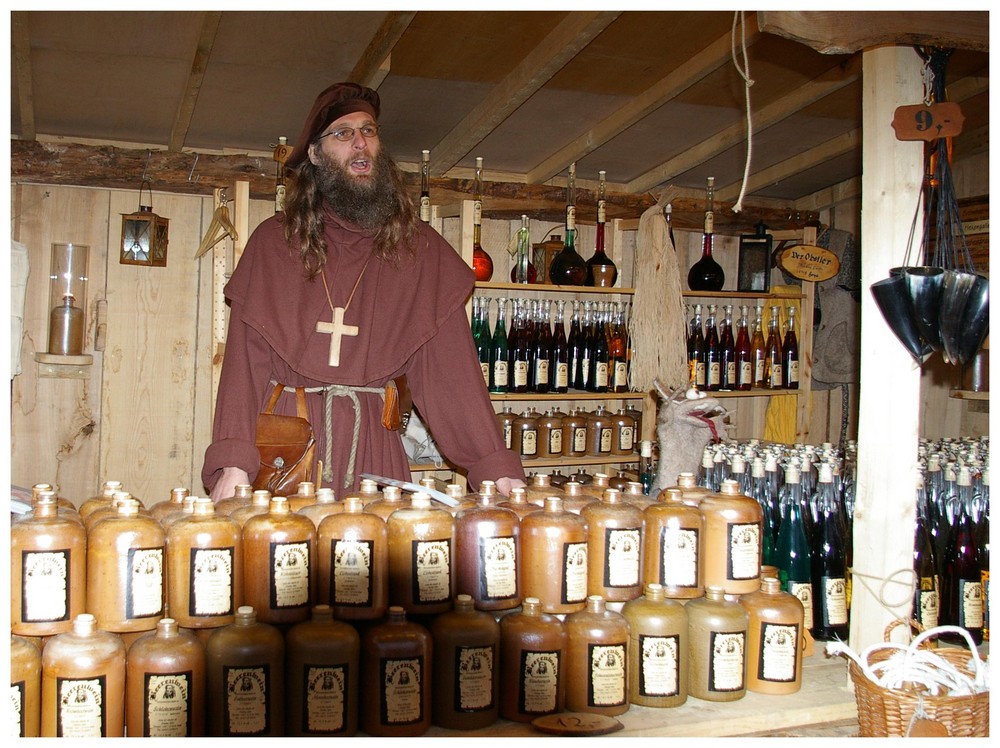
{"type": "Point", "coordinates": [726, 666]}
{"type": "Point", "coordinates": [775, 380]}
{"type": "Point", "coordinates": [325, 706]}
{"type": "Point", "coordinates": [743, 560]}
{"type": "Point", "coordinates": [928, 604]}
{"type": "Point", "coordinates": [498, 556]}
{"type": "Point", "coordinates": [246, 710]}
{"type": "Point", "coordinates": [834, 601]}
{"type": "Point", "coordinates": [570, 217]}
{"type": "Point", "coordinates": [793, 371]}
{"type": "Point", "coordinates": [580, 440]}
{"type": "Point", "coordinates": [779, 652]}
{"type": "Point", "coordinates": [606, 684]}
{"type": "Point", "coordinates": [432, 570]}
{"type": "Point", "coordinates": [45, 582]}
{"type": "Point", "coordinates": [485, 367]}
{"type": "Point", "coordinates": [167, 702]}
{"type": "Point", "coordinates": [699, 374]}
{"type": "Point", "coordinates": [602, 211]}
{"type": "Point", "coordinates": [758, 371]}
{"type": "Point", "coordinates": [659, 665]}
{"type": "Point", "coordinates": [520, 373]}
{"type": "Point", "coordinates": [81, 707]}
{"type": "Point", "coordinates": [601, 375]}
{"type": "Point", "coordinates": [17, 692]}
{"type": "Point", "coordinates": [541, 371]}
{"type": "Point", "coordinates": [562, 375]}
{"type": "Point", "coordinates": [625, 438]}
{"type": "Point", "coordinates": [585, 369]}
{"type": "Point", "coordinates": [745, 374]}
{"type": "Point", "coordinates": [621, 374]}
{"type": "Point", "coordinates": [803, 591]}
{"type": "Point", "coordinates": [425, 208]}
{"type": "Point", "coordinates": [714, 373]}
{"type": "Point", "coordinates": [970, 615]}
{"type": "Point", "coordinates": [290, 563]}
{"type": "Point", "coordinates": [144, 589]}
{"type": "Point", "coordinates": [351, 580]}
{"type": "Point", "coordinates": [474, 671]}
{"type": "Point", "coordinates": [477, 212]}
{"type": "Point", "coordinates": [679, 556]}
{"type": "Point", "coordinates": [401, 694]}
{"type": "Point", "coordinates": [500, 373]}
{"type": "Point", "coordinates": [211, 582]}
{"type": "Point", "coordinates": [605, 440]}
{"type": "Point", "coordinates": [622, 549]}
{"type": "Point", "coordinates": [555, 442]}
{"type": "Point", "coordinates": [730, 374]}
{"type": "Point", "coordinates": [538, 685]}
{"type": "Point", "coordinates": [574, 573]}
{"type": "Point", "coordinates": [529, 442]}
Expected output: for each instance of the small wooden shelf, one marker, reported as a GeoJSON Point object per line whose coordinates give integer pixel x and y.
{"type": "Point", "coordinates": [550, 288]}
{"type": "Point", "coordinates": [969, 395]}
{"type": "Point", "coordinates": [742, 295]}
{"type": "Point", "coordinates": [515, 396]}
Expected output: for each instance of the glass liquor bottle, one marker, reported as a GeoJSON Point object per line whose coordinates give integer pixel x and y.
{"type": "Point", "coordinates": [586, 348]}
{"type": "Point", "coordinates": [541, 380]}
{"type": "Point", "coordinates": [574, 346]}
{"type": "Point", "coordinates": [425, 190]}
{"type": "Point", "coordinates": [600, 354]}
{"type": "Point", "coordinates": [559, 360]}
{"type": "Point", "coordinates": [499, 376]}
{"type": "Point", "coordinates": [961, 584]}
{"type": "Point", "coordinates": [790, 355]}
{"type": "Point", "coordinates": [520, 353]}
{"type": "Point", "coordinates": [744, 355]}
{"type": "Point", "coordinates": [772, 353]}
{"type": "Point", "coordinates": [696, 350]}
{"type": "Point", "coordinates": [668, 214]}
{"type": "Point", "coordinates": [728, 345]}
{"type": "Point", "coordinates": [523, 270]}
{"type": "Point", "coordinates": [482, 263]}
{"type": "Point", "coordinates": [792, 555]}
{"type": "Point", "coordinates": [481, 336]}
{"type": "Point", "coordinates": [926, 599]}
{"type": "Point", "coordinates": [618, 352]}
{"type": "Point", "coordinates": [280, 154]}
{"type": "Point", "coordinates": [713, 353]}
{"type": "Point", "coordinates": [568, 268]}
{"type": "Point", "coordinates": [707, 274]}
{"type": "Point", "coordinates": [829, 562]}
{"type": "Point", "coordinates": [601, 270]}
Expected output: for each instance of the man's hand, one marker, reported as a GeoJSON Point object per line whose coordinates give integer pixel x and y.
{"type": "Point", "coordinates": [505, 484]}
{"type": "Point", "coordinates": [226, 485]}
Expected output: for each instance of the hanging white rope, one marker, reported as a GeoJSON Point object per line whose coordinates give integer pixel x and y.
{"type": "Point", "coordinates": [744, 71]}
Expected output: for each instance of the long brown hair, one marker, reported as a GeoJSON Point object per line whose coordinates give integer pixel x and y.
{"type": "Point", "coordinates": [304, 221]}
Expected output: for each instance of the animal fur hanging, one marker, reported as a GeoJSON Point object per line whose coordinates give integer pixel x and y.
{"type": "Point", "coordinates": [657, 323]}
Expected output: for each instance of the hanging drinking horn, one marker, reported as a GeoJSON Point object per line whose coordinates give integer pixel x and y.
{"type": "Point", "coordinates": [893, 299]}
{"type": "Point", "coordinates": [925, 284]}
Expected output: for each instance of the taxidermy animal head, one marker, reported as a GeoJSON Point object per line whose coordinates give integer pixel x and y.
{"type": "Point", "coordinates": [686, 421]}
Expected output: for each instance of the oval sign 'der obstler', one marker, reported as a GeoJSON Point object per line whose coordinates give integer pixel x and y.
{"type": "Point", "coordinates": [808, 262]}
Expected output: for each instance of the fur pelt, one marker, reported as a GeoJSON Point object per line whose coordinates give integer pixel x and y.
{"type": "Point", "coordinates": [686, 421]}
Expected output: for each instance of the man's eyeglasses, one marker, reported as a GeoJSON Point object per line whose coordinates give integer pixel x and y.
{"type": "Point", "coordinates": [344, 134]}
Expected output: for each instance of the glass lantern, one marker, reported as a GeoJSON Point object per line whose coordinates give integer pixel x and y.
{"type": "Point", "coordinates": [67, 299]}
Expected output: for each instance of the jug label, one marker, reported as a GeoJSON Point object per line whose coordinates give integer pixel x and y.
{"type": "Point", "coordinates": [659, 665]}
{"type": "Point", "coordinates": [574, 573]}
{"type": "Point", "coordinates": [46, 586]}
{"type": "Point", "coordinates": [971, 612]}
{"type": "Point", "coordinates": [325, 690]}
{"type": "Point", "coordinates": [743, 561]}
{"type": "Point", "coordinates": [432, 570]}
{"type": "Point", "coordinates": [928, 607]}
{"type": "Point", "coordinates": [555, 441]}
{"type": "Point", "coordinates": [580, 440]}
{"type": "Point", "coordinates": [803, 591]}
{"type": "Point", "coordinates": [474, 670]}
{"type": "Point", "coordinates": [621, 568]}
{"type": "Point", "coordinates": [211, 583]}
{"type": "Point", "coordinates": [351, 580]}
{"type": "Point", "coordinates": [606, 684]}
{"type": "Point", "coordinates": [290, 574]}
{"type": "Point", "coordinates": [529, 442]}
{"type": "Point", "coordinates": [605, 440]}
{"type": "Point", "coordinates": [539, 684]}
{"type": "Point", "coordinates": [499, 568]}
{"type": "Point", "coordinates": [247, 711]}
{"type": "Point", "coordinates": [80, 711]}
{"type": "Point", "coordinates": [835, 601]}
{"type": "Point", "coordinates": [625, 439]}
{"type": "Point", "coordinates": [167, 699]}
{"type": "Point", "coordinates": [144, 594]}
{"type": "Point", "coordinates": [679, 557]}
{"type": "Point", "coordinates": [401, 694]}
{"type": "Point", "coordinates": [726, 663]}
{"type": "Point", "coordinates": [778, 652]}
{"type": "Point", "coordinates": [17, 689]}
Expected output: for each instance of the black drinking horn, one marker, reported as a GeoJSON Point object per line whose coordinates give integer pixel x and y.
{"type": "Point", "coordinates": [924, 284]}
{"type": "Point", "coordinates": [975, 320]}
{"type": "Point", "coordinates": [954, 294]}
{"type": "Point", "coordinates": [893, 299]}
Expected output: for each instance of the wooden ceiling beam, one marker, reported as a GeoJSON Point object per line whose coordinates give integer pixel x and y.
{"type": "Point", "coordinates": [844, 32]}
{"type": "Point", "coordinates": [832, 80]}
{"type": "Point", "coordinates": [560, 46]}
{"type": "Point", "coordinates": [711, 58]}
{"type": "Point", "coordinates": [372, 67]}
{"type": "Point", "coordinates": [20, 40]}
{"type": "Point", "coordinates": [202, 54]}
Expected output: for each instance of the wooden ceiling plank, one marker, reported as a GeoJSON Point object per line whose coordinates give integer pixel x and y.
{"type": "Point", "coordinates": [185, 111]}
{"type": "Point", "coordinates": [558, 47]}
{"type": "Point", "coordinates": [839, 32]}
{"type": "Point", "coordinates": [372, 67]}
{"type": "Point", "coordinates": [830, 81]}
{"type": "Point", "coordinates": [21, 41]}
{"type": "Point", "coordinates": [791, 166]}
{"type": "Point", "coordinates": [711, 58]}
{"type": "Point", "coordinates": [849, 189]}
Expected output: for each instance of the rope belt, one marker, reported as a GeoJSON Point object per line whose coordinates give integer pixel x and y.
{"type": "Point", "coordinates": [329, 392]}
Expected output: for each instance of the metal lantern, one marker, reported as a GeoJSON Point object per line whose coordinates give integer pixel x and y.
{"type": "Point", "coordinates": [144, 235]}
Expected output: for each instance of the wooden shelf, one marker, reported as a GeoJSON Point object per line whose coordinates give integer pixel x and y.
{"type": "Point", "coordinates": [969, 395]}
{"type": "Point", "coordinates": [576, 395]}
{"type": "Point", "coordinates": [550, 288]}
{"type": "Point", "coordinates": [547, 462]}
{"type": "Point", "coordinates": [741, 295]}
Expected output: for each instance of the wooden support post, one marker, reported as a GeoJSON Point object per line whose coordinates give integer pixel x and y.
{"type": "Point", "coordinates": [884, 514]}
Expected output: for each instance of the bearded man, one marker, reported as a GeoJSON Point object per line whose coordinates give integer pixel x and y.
{"type": "Point", "coordinates": [343, 292]}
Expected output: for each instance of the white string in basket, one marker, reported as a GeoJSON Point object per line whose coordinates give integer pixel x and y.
{"type": "Point", "coordinates": [912, 665]}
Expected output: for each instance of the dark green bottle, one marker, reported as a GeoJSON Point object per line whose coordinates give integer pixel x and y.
{"type": "Point", "coordinates": [499, 365]}
{"type": "Point", "coordinates": [792, 552]}
{"type": "Point", "coordinates": [829, 562]}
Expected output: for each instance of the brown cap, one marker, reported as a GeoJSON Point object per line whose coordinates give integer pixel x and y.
{"type": "Point", "coordinates": [333, 103]}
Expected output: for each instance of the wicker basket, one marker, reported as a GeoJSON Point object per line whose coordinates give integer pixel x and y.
{"type": "Point", "coordinates": [889, 712]}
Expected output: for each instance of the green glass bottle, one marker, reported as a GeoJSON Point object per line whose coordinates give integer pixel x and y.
{"type": "Point", "coordinates": [499, 374]}
{"type": "Point", "coordinates": [792, 555]}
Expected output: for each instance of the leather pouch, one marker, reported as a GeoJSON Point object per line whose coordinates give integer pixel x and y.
{"type": "Point", "coordinates": [398, 404]}
{"type": "Point", "coordinates": [287, 447]}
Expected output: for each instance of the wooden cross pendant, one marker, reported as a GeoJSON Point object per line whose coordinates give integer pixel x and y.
{"type": "Point", "coordinates": [336, 330]}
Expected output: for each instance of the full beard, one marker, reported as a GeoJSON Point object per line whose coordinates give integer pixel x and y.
{"type": "Point", "coordinates": [368, 203]}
